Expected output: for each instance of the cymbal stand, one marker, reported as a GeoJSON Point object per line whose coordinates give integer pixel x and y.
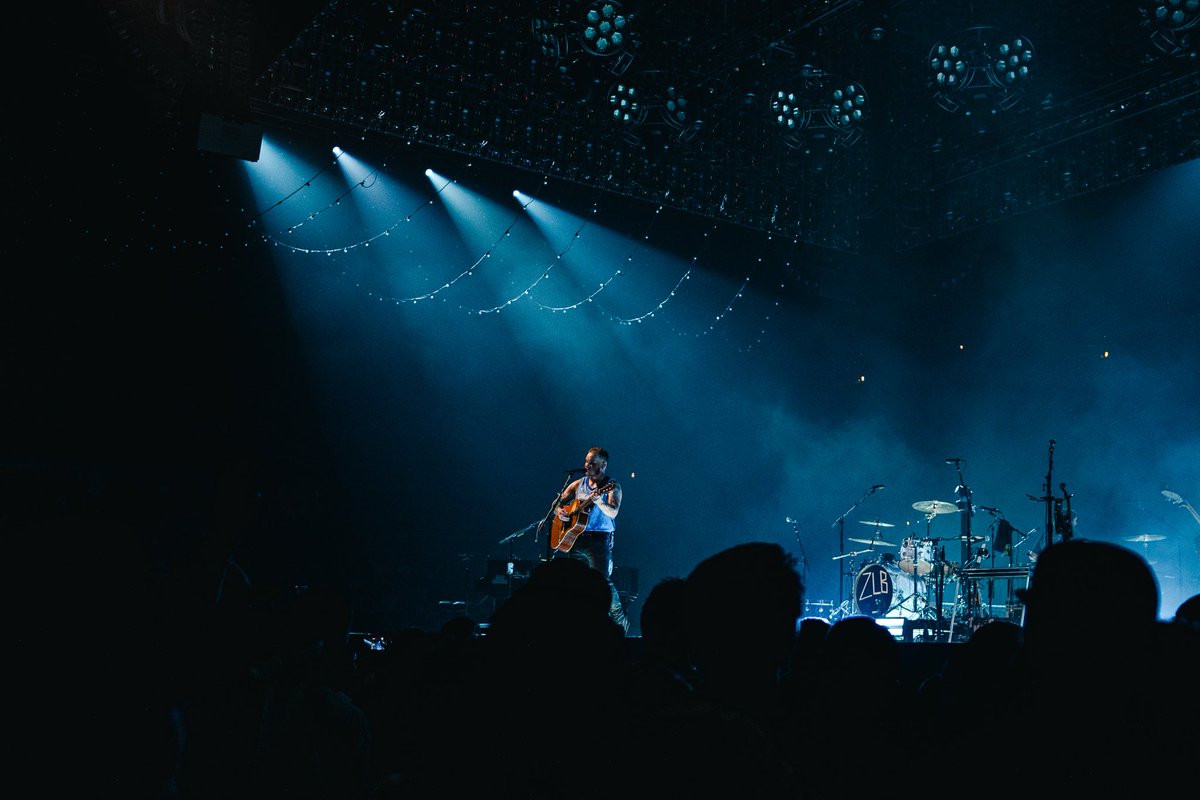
{"type": "Point", "coordinates": [840, 524]}
{"type": "Point", "coordinates": [939, 565]}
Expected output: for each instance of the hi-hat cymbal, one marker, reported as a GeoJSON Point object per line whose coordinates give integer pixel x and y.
{"type": "Point", "coordinates": [1145, 537]}
{"type": "Point", "coordinates": [876, 523]}
{"type": "Point", "coordinates": [872, 541]}
{"type": "Point", "coordinates": [935, 507]}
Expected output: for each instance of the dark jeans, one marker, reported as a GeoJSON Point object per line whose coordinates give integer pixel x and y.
{"type": "Point", "coordinates": [594, 548]}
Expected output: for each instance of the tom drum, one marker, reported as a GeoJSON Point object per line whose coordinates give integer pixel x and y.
{"type": "Point", "coordinates": [916, 557]}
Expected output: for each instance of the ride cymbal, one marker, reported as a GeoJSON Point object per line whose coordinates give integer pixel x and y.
{"type": "Point", "coordinates": [935, 507]}
{"type": "Point", "coordinates": [876, 523]}
{"type": "Point", "coordinates": [872, 541]}
{"type": "Point", "coordinates": [1145, 537]}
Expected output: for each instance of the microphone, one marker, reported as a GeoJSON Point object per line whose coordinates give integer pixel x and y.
{"type": "Point", "coordinates": [954, 460]}
{"type": "Point", "coordinates": [789, 519]}
{"type": "Point", "coordinates": [993, 510]}
{"type": "Point", "coordinates": [877, 487]}
{"type": "Point", "coordinates": [576, 469]}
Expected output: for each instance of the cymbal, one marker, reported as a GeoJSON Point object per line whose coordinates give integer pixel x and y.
{"type": "Point", "coordinates": [876, 523]}
{"type": "Point", "coordinates": [872, 541]}
{"type": "Point", "coordinates": [972, 538]}
{"type": "Point", "coordinates": [935, 507]}
{"type": "Point", "coordinates": [1145, 537]}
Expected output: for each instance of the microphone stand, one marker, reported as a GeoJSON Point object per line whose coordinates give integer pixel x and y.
{"type": "Point", "coordinates": [964, 520]}
{"type": "Point", "coordinates": [550, 513]}
{"type": "Point", "coordinates": [1048, 497]}
{"type": "Point", "coordinates": [840, 524]}
{"type": "Point", "coordinates": [803, 555]}
{"type": "Point", "coordinates": [508, 572]}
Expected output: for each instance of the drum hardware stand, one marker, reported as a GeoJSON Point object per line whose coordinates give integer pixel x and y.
{"type": "Point", "coordinates": [840, 524]}
{"type": "Point", "coordinates": [844, 607]}
{"type": "Point", "coordinates": [940, 587]}
{"type": "Point", "coordinates": [939, 565]}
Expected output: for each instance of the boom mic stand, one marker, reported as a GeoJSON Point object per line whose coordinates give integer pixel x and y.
{"type": "Point", "coordinates": [967, 510]}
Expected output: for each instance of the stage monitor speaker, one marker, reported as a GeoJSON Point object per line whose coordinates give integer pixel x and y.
{"type": "Point", "coordinates": [626, 581]}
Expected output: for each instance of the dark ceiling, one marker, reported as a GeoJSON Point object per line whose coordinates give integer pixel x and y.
{"type": "Point", "coordinates": [1109, 91]}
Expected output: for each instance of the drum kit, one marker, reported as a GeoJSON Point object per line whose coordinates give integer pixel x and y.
{"type": "Point", "coordinates": [909, 583]}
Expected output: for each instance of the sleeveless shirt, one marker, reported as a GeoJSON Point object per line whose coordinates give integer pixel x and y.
{"type": "Point", "coordinates": [597, 519]}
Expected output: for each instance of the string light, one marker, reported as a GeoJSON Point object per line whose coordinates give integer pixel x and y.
{"type": "Point", "coordinates": [254, 219]}
{"type": "Point", "coordinates": [468, 271]}
{"type": "Point", "coordinates": [737, 295]}
{"type": "Point", "coordinates": [557, 258]}
{"type": "Point", "coordinates": [663, 302]}
{"type": "Point", "coordinates": [605, 283]}
{"type": "Point", "coordinates": [346, 248]}
{"type": "Point", "coordinates": [528, 292]}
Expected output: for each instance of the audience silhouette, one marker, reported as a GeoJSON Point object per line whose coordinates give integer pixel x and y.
{"type": "Point", "coordinates": [1106, 688]}
{"type": "Point", "coordinates": [263, 691]}
{"type": "Point", "coordinates": [732, 734]}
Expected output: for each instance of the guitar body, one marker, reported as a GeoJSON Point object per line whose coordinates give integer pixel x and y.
{"type": "Point", "coordinates": [563, 534]}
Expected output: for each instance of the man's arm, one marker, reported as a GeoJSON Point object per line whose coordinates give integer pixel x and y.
{"type": "Point", "coordinates": [609, 503]}
{"type": "Point", "coordinates": [566, 497]}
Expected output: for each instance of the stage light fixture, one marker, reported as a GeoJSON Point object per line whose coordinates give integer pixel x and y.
{"type": "Point", "coordinates": [984, 67]}
{"type": "Point", "coordinates": [849, 106]}
{"type": "Point", "coordinates": [551, 38]}
{"type": "Point", "coordinates": [675, 107]}
{"type": "Point", "coordinates": [1171, 24]}
{"type": "Point", "coordinates": [605, 28]}
{"type": "Point", "coordinates": [787, 111]}
{"type": "Point", "coordinates": [816, 110]}
{"type": "Point", "coordinates": [625, 106]}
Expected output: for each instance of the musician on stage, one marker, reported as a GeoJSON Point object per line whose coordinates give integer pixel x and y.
{"type": "Point", "coordinates": [597, 496]}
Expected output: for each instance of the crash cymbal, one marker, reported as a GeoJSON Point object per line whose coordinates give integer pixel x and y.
{"type": "Point", "coordinates": [872, 541]}
{"type": "Point", "coordinates": [1145, 537]}
{"type": "Point", "coordinates": [935, 507]}
{"type": "Point", "coordinates": [876, 523]}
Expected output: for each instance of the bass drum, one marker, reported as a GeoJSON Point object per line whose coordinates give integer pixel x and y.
{"type": "Point", "coordinates": [873, 590]}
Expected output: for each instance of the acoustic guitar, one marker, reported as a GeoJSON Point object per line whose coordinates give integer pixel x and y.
{"type": "Point", "coordinates": [563, 534]}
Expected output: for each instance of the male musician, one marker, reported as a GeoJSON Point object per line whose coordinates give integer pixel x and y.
{"type": "Point", "coordinates": [599, 496]}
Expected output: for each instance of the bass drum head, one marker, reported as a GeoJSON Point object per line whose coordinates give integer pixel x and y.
{"type": "Point", "coordinates": [873, 590]}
